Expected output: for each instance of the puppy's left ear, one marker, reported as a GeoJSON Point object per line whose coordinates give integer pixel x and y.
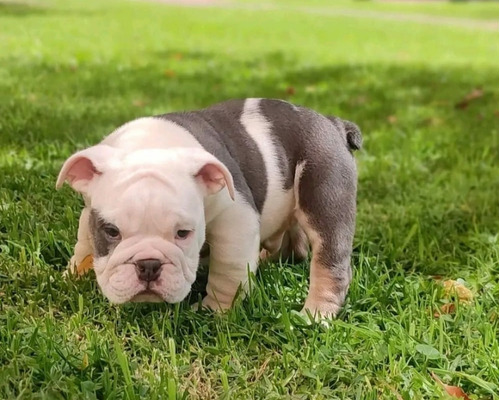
{"type": "Point", "coordinates": [213, 175]}
{"type": "Point", "coordinates": [82, 167]}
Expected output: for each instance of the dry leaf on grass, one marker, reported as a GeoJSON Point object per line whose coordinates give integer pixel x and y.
{"type": "Point", "coordinates": [473, 95]}
{"type": "Point", "coordinates": [169, 73]}
{"type": "Point", "coordinates": [456, 288]}
{"type": "Point", "coordinates": [453, 391]}
{"type": "Point", "coordinates": [447, 308]}
{"type": "Point", "coordinates": [86, 265]}
{"type": "Point", "coordinates": [392, 119]}
{"type": "Point", "coordinates": [453, 289]}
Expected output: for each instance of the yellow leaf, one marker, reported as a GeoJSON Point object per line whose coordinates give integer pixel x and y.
{"type": "Point", "coordinates": [447, 308]}
{"type": "Point", "coordinates": [455, 288]}
{"type": "Point", "coordinates": [392, 119]}
{"type": "Point", "coordinates": [86, 265]}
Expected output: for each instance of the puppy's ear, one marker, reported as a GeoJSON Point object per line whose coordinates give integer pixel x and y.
{"type": "Point", "coordinates": [82, 167]}
{"type": "Point", "coordinates": [213, 175]}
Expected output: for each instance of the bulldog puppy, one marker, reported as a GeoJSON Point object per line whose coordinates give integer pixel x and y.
{"type": "Point", "coordinates": [242, 176]}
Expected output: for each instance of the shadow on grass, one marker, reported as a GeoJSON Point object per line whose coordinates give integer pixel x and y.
{"type": "Point", "coordinates": [19, 9]}
{"type": "Point", "coordinates": [425, 162]}
{"type": "Point", "coordinates": [80, 99]}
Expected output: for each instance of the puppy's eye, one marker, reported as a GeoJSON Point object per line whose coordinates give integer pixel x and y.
{"type": "Point", "coordinates": [111, 231]}
{"type": "Point", "coordinates": [182, 234]}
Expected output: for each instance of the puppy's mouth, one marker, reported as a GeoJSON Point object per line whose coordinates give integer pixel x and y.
{"type": "Point", "coordinates": [147, 295]}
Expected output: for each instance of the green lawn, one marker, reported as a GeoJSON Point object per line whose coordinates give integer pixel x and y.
{"type": "Point", "coordinates": [483, 10]}
{"type": "Point", "coordinates": [71, 71]}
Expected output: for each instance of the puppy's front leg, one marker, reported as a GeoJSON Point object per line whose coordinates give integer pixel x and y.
{"type": "Point", "coordinates": [234, 251]}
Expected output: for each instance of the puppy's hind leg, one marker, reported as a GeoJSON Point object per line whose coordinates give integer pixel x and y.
{"type": "Point", "coordinates": [325, 209]}
{"type": "Point", "coordinates": [81, 261]}
{"type": "Point", "coordinates": [295, 245]}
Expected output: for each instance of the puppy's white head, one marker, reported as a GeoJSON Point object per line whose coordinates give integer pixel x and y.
{"type": "Point", "coordinates": [147, 216]}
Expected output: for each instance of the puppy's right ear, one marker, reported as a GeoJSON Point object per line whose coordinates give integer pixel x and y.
{"type": "Point", "coordinates": [82, 167]}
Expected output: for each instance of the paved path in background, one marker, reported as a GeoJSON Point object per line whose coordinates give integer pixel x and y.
{"type": "Point", "coordinates": [486, 25]}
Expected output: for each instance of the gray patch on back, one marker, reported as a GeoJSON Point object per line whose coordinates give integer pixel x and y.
{"type": "Point", "coordinates": [301, 134]}
{"type": "Point", "coordinates": [298, 134]}
{"type": "Point", "coordinates": [102, 245]}
{"type": "Point", "coordinates": [219, 130]}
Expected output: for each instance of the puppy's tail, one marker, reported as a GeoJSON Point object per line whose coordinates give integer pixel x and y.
{"type": "Point", "coordinates": [353, 135]}
{"type": "Point", "coordinates": [352, 132]}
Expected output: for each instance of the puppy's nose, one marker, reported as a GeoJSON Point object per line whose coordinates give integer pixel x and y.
{"type": "Point", "coordinates": [148, 269]}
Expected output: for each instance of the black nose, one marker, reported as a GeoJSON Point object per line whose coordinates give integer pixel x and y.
{"type": "Point", "coordinates": [148, 269]}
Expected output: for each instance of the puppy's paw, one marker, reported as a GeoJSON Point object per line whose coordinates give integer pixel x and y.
{"type": "Point", "coordinates": [70, 269]}
{"type": "Point", "coordinates": [321, 311]}
{"type": "Point", "coordinates": [210, 303]}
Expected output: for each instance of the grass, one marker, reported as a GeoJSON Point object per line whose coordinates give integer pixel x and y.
{"type": "Point", "coordinates": [482, 10]}
{"type": "Point", "coordinates": [428, 204]}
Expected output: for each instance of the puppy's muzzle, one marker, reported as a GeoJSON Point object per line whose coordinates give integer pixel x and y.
{"type": "Point", "coordinates": [148, 270]}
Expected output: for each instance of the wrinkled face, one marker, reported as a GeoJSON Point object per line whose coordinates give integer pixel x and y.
{"type": "Point", "coordinates": [147, 230]}
{"type": "Point", "coordinates": [147, 221]}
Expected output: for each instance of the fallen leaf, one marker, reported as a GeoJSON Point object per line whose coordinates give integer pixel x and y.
{"type": "Point", "coordinates": [453, 391]}
{"type": "Point", "coordinates": [473, 95]}
{"type": "Point", "coordinates": [452, 288]}
{"type": "Point", "coordinates": [169, 73]}
{"type": "Point", "coordinates": [447, 308]}
{"type": "Point", "coordinates": [392, 119]}
{"type": "Point", "coordinates": [86, 265]}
